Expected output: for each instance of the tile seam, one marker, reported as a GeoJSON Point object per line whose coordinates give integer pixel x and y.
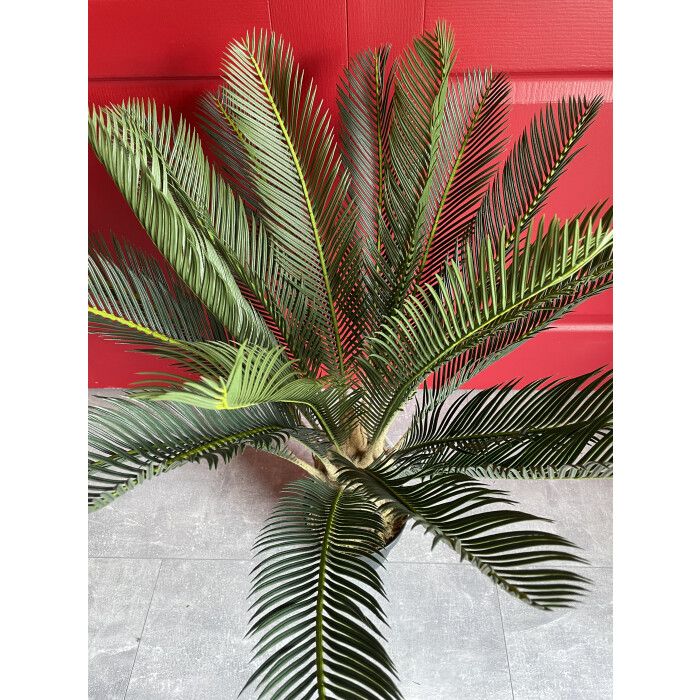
{"type": "Point", "coordinates": [505, 644]}
{"type": "Point", "coordinates": [145, 619]}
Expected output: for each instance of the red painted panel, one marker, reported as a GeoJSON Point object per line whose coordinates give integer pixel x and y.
{"type": "Point", "coordinates": [155, 38]}
{"type": "Point", "coordinates": [528, 35]}
{"type": "Point", "coordinates": [372, 23]}
{"type": "Point", "coordinates": [558, 352]}
{"type": "Point", "coordinates": [129, 38]}
{"type": "Point", "coordinates": [317, 32]}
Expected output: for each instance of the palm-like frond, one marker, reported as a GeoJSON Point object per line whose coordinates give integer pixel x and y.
{"type": "Point", "coordinates": [530, 172]}
{"type": "Point", "coordinates": [541, 428]}
{"type": "Point", "coordinates": [497, 297]}
{"type": "Point", "coordinates": [133, 299]}
{"type": "Point", "coordinates": [277, 296]}
{"type": "Point", "coordinates": [234, 378]}
{"type": "Point", "coordinates": [285, 156]}
{"type": "Point", "coordinates": [316, 598]}
{"type": "Point", "coordinates": [163, 175]}
{"type": "Point", "coordinates": [364, 101]}
{"type": "Point", "coordinates": [588, 470]}
{"type": "Point", "coordinates": [459, 511]}
{"type": "Point", "coordinates": [365, 106]}
{"type": "Point", "coordinates": [131, 442]}
{"type": "Point", "coordinates": [470, 139]}
{"type": "Point", "coordinates": [414, 138]}
{"type": "Point", "coordinates": [513, 335]}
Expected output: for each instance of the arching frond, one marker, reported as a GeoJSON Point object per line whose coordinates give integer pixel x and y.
{"type": "Point", "coordinates": [540, 428]}
{"type": "Point", "coordinates": [588, 470]}
{"type": "Point", "coordinates": [164, 177]}
{"type": "Point", "coordinates": [414, 138]}
{"type": "Point", "coordinates": [364, 101]}
{"type": "Point", "coordinates": [495, 298]}
{"type": "Point", "coordinates": [317, 598]}
{"type": "Point", "coordinates": [133, 299]}
{"type": "Point", "coordinates": [248, 376]}
{"type": "Point", "coordinates": [477, 358]}
{"type": "Point", "coordinates": [283, 154]}
{"type": "Point", "coordinates": [131, 442]}
{"type": "Point", "coordinates": [459, 511]}
{"type": "Point", "coordinates": [532, 169]}
{"type": "Point", "coordinates": [471, 138]}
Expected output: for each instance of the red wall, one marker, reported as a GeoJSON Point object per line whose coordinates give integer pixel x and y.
{"type": "Point", "coordinates": [170, 51]}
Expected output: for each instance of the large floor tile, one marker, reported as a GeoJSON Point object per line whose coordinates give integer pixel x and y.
{"type": "Point", "coordinates": [193, 512]}
{"type": "Point", "coordinates": [582, 511]}
{"type": "Point", "coordinates": [119, 594]}
{"type": "Point", "coordinates": [446, 637]}
{"type": "Point", "coordinates": [565, 654]}
{"type": "Point", "coordinates": [192, 646]}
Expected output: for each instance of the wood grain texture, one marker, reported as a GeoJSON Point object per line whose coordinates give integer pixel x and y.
{"type": "Point", "coordinates": [372, 24]}
{"type": "Point", "coordinates": [528, 35]}
{"type": "Point", "coordinates": [159, 38]}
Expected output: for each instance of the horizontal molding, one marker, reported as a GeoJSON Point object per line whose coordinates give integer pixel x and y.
{"type": "Point", "coordinates": [528, 88]}
{"type": "Point", "coordinates": [584, 327]}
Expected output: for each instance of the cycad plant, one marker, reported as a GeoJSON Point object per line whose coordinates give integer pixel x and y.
{"type": "Point", "coordinates": [307, 292]}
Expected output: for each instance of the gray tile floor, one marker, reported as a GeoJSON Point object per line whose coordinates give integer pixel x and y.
{"type": "Point", "coordinates": [168, 582]}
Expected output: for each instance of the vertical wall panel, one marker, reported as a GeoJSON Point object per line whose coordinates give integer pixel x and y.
{"type": "Point", "coordinates": [130, 38]}
{"type": "Point", "coordinates": [395, 22]}
{"type": "Point", "coordinates": [317, 31]}
{"type": "Point", "coordinates": [529, 35]}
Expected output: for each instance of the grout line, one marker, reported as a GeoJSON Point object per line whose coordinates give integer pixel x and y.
{"type": "Point", "coordinates": [145, 619]}
{"type": "Point", "coordinates": [347, 36]}
{"type": "Point", "coordinates": [505, 643]}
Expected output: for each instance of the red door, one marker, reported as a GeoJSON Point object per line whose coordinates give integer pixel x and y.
{"type": "Point", "coordinates": [170, 51]}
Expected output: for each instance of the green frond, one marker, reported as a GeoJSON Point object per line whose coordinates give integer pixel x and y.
{"type": "Point", "coordinates": [129, 291]}
{"type": "Point", "coordinates": [588, 470]}
{"type": "Point", "coordinates": [471, 138]}
{"type": "Point", "coordinates": [131, 442]}
{"type": "Point", "coordinates": [253, 376]}
{"type": "Point", "coordinates": [414, 138]}
{"type": "Point", "coordinates": [247, 376]}
{"type": "Point", "coordinates": [164, 177]}
{"type": "Point", "coordinates": [539, 429]}
{"type": "Point", "coordinates": [535, 164]}
{"type": "Point", "coordinates": [284, 156]}
{"type": "Point", "coordinates": [317, 598]}
{"type": "Point", "coordinates": [502, 342]}
{"type": "Point", "coordinates": [277, 296]}
{"type": "Point", "coordinates": [364, 103]}
{"type": "Point", "coordinates": [493, 300]}
{"type": "Point", "coordinates": [461, 512]}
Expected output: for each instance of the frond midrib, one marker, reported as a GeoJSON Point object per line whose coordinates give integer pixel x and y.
{"type": "Point", "coordinates": [131, 324]}
{"type": "Point", "coordinates": [309, 207]}
{"type": "Point", "coordinates": [525, 432]}
{"type": "Point", "coordinates": [425, 369]}
{"type": "Point", "coordinates": [320, 598]}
